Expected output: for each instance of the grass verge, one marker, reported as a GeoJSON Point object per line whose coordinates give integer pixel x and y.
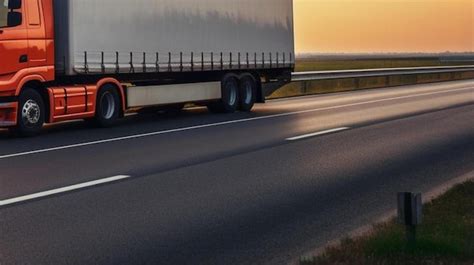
{"type": "Point", "coordinates": [445, 237]}
{"type": "Point", "coordinates": [303, 65]}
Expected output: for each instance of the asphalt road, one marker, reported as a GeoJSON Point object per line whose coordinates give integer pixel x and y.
{"type": "Point", "coordinates": [246, 188]}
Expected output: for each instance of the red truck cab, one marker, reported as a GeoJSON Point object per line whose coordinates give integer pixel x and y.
{"type": "Point", "coordinates": [26, 59]}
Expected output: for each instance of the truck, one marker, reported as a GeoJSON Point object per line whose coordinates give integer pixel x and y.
{"type": "Point", "coordinates": [98, 60]}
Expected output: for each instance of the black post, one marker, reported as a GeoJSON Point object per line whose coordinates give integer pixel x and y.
{"type": "Point", "coordinates": [239, 60]}
{"type": "Point", "coordinates": [117, 66]}
{"type": "Point", "coordinates": [212, 60]}
{"type": "Point", "coordinates": [157, 62]}
{"type": "Point", "coordinates": [271, 60]}
{"type": "Point", "coordinates": [86, 65]}
{"type": "Point", "coordinates": [222, 61]}
{"type": "Point", "coordinates": [132, 68]}
{"type": "Point", "coordinates": [144, 62]}
{"type": "Point", "coordinates": [410, 214]}
{"type": "Point", "coordinates": [255, 59]}
{"type": "Point", "coordinates": [170, 67]}
{"type": "Point", "coordinates": [202, 61]}
{"type": "Point", "coordinates": [102, 64]}
{"type": "Point", "coordinates": [248, 62]}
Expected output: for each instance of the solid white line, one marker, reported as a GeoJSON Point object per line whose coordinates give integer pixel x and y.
{"type": "Point", "coordinates": [305, 136]}
{"type": "Point", "coordinates": [223, 123]}
{"type": "Point", "coordinates": [60, 190]}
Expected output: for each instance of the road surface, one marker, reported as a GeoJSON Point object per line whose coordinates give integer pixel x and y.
{"type": "Point", "coordinates": [246, 188]}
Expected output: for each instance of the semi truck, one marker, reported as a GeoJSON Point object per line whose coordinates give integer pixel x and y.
{"type": "Point", "coordinates": [98, 60]}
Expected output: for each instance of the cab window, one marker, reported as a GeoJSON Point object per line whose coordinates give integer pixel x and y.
{"type": "Point", "coordinates": [10, 13]}
{"type": "Point", "coordinates": [3, 13]}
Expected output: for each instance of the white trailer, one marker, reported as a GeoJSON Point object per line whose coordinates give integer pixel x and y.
{"type": "Point", "coordinates": [136, 36]}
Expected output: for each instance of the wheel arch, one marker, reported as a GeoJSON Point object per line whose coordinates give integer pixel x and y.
{"type": "Point", "coordinates": [114, 82]}
{"type": "Point", "coordinates": [40, 87]}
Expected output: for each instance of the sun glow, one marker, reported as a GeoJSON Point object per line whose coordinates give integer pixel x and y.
{"type": "Point", "coordinates": [384, 25]}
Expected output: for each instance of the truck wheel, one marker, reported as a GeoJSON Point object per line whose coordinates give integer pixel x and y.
{"type": "Point", "coordinates": [108, 106]}
{"type": "Point", "coordinates": [248, 93]}
{"type": "Point", "coordinates": [229, 102]}
{"type": "Point", "coordinates": [31, 113]}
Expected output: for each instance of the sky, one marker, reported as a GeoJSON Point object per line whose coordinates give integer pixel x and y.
{"type": "Point", "coordinates": [384, 25]}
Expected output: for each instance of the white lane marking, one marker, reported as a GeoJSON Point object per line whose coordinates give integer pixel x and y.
{"type": "Point", "coordinates": [222, 124]}
{"type": "Point", "coordinates": [61, 190]}
{"type": "Point", "coordinates": [305, 136]}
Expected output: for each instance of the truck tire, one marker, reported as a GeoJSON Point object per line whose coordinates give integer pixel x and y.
{"type": "Point", "coordinates": [108, 106]}
{"type": "Point", "coordinates": [31, 113]}
{"type": "Point", "coordinates": [248, 92]}
{"type": "Point", "coordinates": [229, 102]}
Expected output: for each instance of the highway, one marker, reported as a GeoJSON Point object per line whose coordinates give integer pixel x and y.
{"type": "Point", "coordinates": [245, 188]}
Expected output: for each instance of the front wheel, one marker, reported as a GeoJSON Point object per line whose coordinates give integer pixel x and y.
{"type": "Point", "coordinates": [108, 106]}
{"type": "Point", "coordinates": [31, 113]}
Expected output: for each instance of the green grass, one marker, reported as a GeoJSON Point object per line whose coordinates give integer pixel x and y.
{"type": "Point", "coordinates": [303, 65]}
{"type": "Point", "coordinates": [445, 237]}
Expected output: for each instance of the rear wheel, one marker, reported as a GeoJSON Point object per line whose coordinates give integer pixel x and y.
{"type": "Point", "coordinates": [31, 113]}
{"type": "Point", "coordinates": [229, 102]}
{"type": "Point", "coordinates": [108, 106]}
{"type": "Point", "coordinates": [248, 92]}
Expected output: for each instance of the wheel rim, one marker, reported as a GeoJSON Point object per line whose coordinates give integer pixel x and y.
{"type": "Point", "coordinates": [31, 113]}
{"type": "Point", "coordinates": [232, 93]}
{"type": "Point", "coordinates": [107, 104]}
{"type": "Point", "coordinates": [248, 93]}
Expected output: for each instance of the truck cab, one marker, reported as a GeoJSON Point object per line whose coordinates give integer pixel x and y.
{"type": "Point", "coordinates": [26, 57]}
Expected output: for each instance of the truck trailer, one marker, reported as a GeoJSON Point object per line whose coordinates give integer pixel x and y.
{"type": "Point", "coordinates": [97, 60]}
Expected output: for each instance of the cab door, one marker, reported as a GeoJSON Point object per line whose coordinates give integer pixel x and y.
{"type": "Point", "coordinates": [36, 34]}
{"type": "Point", "coordinates": [13, 41]}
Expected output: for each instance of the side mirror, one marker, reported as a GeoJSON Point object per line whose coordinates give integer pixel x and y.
{"type": "Point", "coordinates": [14, 4]}
{"type": "Point", "coordinates": [14, 19]}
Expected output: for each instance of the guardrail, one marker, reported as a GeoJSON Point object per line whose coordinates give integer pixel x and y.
{"type": "Point", "coordinates": [342, 74]}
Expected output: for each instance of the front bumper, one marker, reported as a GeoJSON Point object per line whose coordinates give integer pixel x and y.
{"type": "Point", "coordinates": [8, 114]}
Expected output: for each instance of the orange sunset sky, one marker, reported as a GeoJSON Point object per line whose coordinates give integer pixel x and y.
{"type": "Point", "coordinates": [384, 25]}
